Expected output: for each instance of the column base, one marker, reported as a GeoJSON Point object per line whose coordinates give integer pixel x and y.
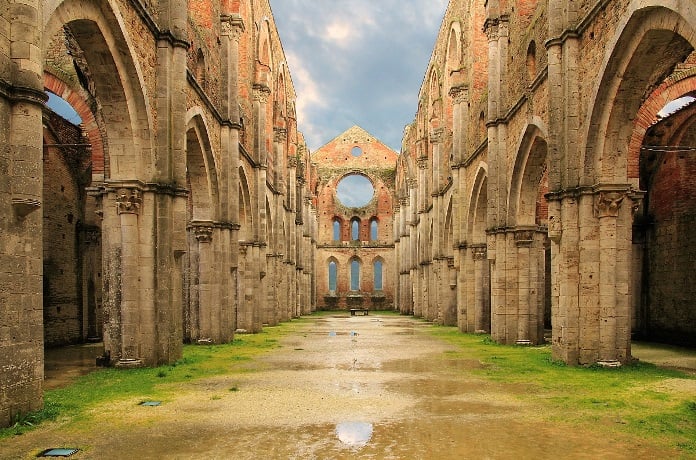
{"type": "Point", "coordinates": [523, 342]}
{"type": "Point", "coordinates": [129, 363]}
{"type": "Point", "coordinates": [610, 364]}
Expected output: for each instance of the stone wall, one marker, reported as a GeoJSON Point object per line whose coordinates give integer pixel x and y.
{"type": "Point", "coordinates": [138, 237]}
{"type": "Point", "coordinates": [667, 230]}
{"type": "Point", "coordinates": [355, 152]}
{"type": "Point", "coordinates": [538, 111]}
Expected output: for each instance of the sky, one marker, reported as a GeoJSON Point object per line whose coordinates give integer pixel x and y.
{"type": "Point", "coordinates": [357, 62]}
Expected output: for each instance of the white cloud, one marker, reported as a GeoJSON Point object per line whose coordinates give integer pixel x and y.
{"type": "Point", "coordinates": [357, 62]}
{"type": "Point", "coordinates": [339, 32]}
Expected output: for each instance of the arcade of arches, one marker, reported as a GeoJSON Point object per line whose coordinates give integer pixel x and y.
{"type": "Point", "coordinates": [541, 188]}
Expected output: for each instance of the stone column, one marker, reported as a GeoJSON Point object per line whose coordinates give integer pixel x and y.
{"type": "Point", "coordinates": [128, 202]}
{"type": "Point", "coordinates": [232, 27]}
{"type": "Point", "coordinates": [481, 321]}
{"type": "Point", "coordinates": [207, 321]}
{"type": "Point", "coordinates": [460, 120]}
{"type": "Point", "coordinates": [21, 193]}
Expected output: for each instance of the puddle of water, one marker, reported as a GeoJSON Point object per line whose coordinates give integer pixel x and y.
{"type": "Point", "coordinates": [354, 434]}
{"type": "Point", "coordinates": [62, 365]}
{"type": "Point", "coordinates": [431, 364]}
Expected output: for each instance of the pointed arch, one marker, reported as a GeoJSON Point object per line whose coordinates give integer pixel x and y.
{"type": "Point", "coordinates": [245, 216]}
{"type": "Point", "coordinates": [332, 275]}
{"type": "Point", "coordinates": [100, 32]}
{"type": "Point", "coordinates": [378, 274]}
{"type": "Point", "coordinates": [478, 202]}
{"type": "Point", "coordinates": [201, 170]}
{"type": "Point", "coordinates": [355, 273]}
{"type": "Point", "coordinates": [529, 169]}
{"type": "Point", "coordinates": [640, 55]}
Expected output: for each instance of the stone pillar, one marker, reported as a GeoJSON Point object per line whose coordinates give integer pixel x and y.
{"type": "Point", "coordinates": [21, 227]}
{"type": "Point", "coordinates": [128, 202]}
{"type": "Point", "coordinates": [449, 313]}
{"type": "Point", "coordinates": [481, 321]}
{"type": "Point", "coordinates": [615, 225]}
{"type": "Point", "coordinates": [460, 120]}
{"type": "Point", "coordinates": [208, 324]}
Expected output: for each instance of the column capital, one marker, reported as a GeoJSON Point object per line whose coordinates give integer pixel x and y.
{"type": "Point", "coordinates": [437, 135]}
{"type": "Point", "coordinates": [608, 203]}
{"type": "Point", "coordinates": [459, 93]}
{"type": "Point", "coordinates": [128, 200]}
{"type": "Point", "coordinates": [203, 231]}
{"type": "Point", "coordinates": [524, 237]}
{"type": "Point", "coordinates": [423, 162]}
{"type": "Point", "coordinates": [261, 92]}
{"type": "Point", "coordinates": [280, 134]}
{"type": "Point", "coordinates": [232, 26]}
{"type": "Point", "coordinates": [496, 27]}
{"type": "Point", "coordinates": [479, 251]}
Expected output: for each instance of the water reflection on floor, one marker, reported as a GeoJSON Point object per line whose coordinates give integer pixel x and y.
{"type": "Point", "coordinates": [385, 392]}
{"type": "Point", "coordinates": [63, 364]}
{"type": "Point", "coordinates": [354, 434]}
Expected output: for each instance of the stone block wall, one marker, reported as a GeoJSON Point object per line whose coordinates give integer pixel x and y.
{"type": "Point", "coordinates": [377, 162]}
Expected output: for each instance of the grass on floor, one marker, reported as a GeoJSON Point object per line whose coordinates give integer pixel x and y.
{"type": "Point", "coordinates": [107, 385]}
{"type": "Point", "coordinates": [639, 399]}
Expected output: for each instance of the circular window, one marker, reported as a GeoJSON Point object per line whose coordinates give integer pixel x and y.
{"type": "Point", "coordinates": [356, 152]}
{"type": "Point", "coordinates": [355, 191]}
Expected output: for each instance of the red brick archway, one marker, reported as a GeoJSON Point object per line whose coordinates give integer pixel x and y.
{"type": "Point", "coordinates": [674, 87]}
{"type": "Point", "coordinates": [89, 122]}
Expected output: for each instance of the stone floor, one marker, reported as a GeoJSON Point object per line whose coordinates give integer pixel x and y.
{"type": "Point", "coordinates": [342, 388]}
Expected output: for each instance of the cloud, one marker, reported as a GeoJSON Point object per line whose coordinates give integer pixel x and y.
{"type": "Point", "coordinates": [357, 62]}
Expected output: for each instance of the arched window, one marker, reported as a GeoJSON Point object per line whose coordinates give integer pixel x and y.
{"type": "Point", "coordinates": [355, 275]}
{"type": "Point", "coordinates": [355, 229]}
{"type": "Point", "coordinates": [336, 229]}
{"type": "Point", "coordinates": [377, 270]}
{"type": "Point", "coordinates": [374, 229]}
{"type": "Point", "coordinates": [333, 276]}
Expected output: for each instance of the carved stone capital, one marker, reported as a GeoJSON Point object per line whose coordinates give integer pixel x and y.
{"type": "Point", "coordinates": [459, 94]}
{"type": "Point", "coordinates": [423, 162]}
{"type": "Point", "coordinates": [437, 136]}
{"type": "Point", "coordinates": [608, 204]}
{"type": "Point", "coordinates": [292, 162]}
{"type": "Point", "coordinates": [412, 183]}
{"type": "Point", "coordinates": [261, 93]}
{"type": "Point", "coordinates": [203, 233]}
{"type": "Point", "coordinates": [524, 237]}
{"type": "Point", "coordinates": [232, 26]}
{"type": "Point", "coordinates": [280, 134]}
{"type": "Point", "coordinates": [479, 252]}
{"type": "Point", "coordinates": [129, 201]}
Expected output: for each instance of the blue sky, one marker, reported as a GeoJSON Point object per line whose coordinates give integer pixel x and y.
{"type": "Point", "coordinates": [357, 62]}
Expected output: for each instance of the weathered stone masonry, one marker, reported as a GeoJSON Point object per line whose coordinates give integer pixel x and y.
{"type": "Point", "coordinates": [182, 197]}
{"type": "Point", "coordinates": [519, 184]}
{"type": "Point", "coordinates": [536, 187]}
{"type": "Point", "coordinates": [348, 235]}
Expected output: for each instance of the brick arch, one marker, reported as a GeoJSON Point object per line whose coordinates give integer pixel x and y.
{"type": "Point", "coordinates": [101, 33]}
{"type": "Point", "coordinates": [652, 39]}
{"type": "Point", "coordinates": [94, 131]}
{"type": "Point", "coordinates": [674, 87]}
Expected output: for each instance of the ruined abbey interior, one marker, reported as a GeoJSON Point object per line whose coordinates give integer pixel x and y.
{"type": "Point", "coordinates": [540, 193]}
